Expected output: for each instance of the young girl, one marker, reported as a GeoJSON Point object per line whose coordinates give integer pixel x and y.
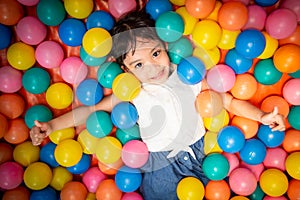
{"type": "Point", "coordinates": [169, 124]}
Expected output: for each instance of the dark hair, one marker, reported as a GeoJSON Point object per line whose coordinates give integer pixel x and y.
{"type": "Point", "coordinates": [136, 24]}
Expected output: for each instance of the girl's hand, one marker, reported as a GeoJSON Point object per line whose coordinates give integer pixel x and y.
{"type": "Point", "coordinates": [275, 120]}
{"type": "Point", "coordinates": [39, 132]}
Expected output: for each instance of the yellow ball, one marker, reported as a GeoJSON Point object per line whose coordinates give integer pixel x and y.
{"type": "Point", "coordinates": [37, 176]}
{"type": "Point", "coordinates": [79, 9]}
{"type": "Point", "coordinates": [189, 20]}
{"type": "Point", "coordinates": [60, 135]}
{"type": "Point", "coordinates": [25, 153]}
{"type": "Point", "coordinates": [68, 153]}
{"type": "Point", "coordinates": [21, 56]}
{"type": "Point", "coordinates": [271, 46]}
{"type": "Point", "coordinates": [292, 165]}
{"type": "Point", "coordinates": [108, 150]}
{"type": "Point", "coordinates": [209, 57]}
{"type": "Point", "coordinates": [88, 142]}
{"type": "Point", "coordinates": [210, 143]}
{"type": "Point", "coordinates": [214, 14]}
{"type": "Point", "coordinates": [97, 42]}
{"type": "Point", "coordinates": [59, 95]}
{"type": "Point", "coordinates": [190, 188]}
{"type": "Point", "coordinates": [178, 2]}
{"type": "Point", "coordinates": [126, 86]}
{"type": "Point", "coordinates": [217, 122]}
{"type": "Point", "coordinates": [239, 198]}
{"type": "Point", "coordinates": [228, 39]}
{"type": "Point", "coordinates": [61, 176]}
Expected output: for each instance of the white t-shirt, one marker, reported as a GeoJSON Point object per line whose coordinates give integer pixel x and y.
{"type": "Point", "coordinates": [168, 119]}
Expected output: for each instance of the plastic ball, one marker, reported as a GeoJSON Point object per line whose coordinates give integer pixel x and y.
{"type": "Point", "coordinates": [291, 91]}
{"type": "Point", "coordinates": [111, 168]}
{"type": "Point", "coordinates": [292, 5]}
{"type": "Point", "coordinates": [169, 26]}
{"type": "Point", "coordinates": [250, 43]}
{"type": "Point", "coordinates": [25, 153]}
{"type": "Point", "coordinates": [209, 103]}
{"type": "Point", "coordinates": [37, 176]}
{"type": "Point", "coordinates": [179, 50]}
{"type": "Point", "coordinates": [281, 23]}
{"type": "Point", "coordinates": [157, 7]}
{"type": "Point", "coordinates": [97, 42]}
{"type": "Point", "coordinates": [293, 189]}
{"type": "Point", "coordinates": [271, 46]}
{"type": "Point", "coordinates": [178, 2]}
{"type": "Point", "coordinates": [231, 139]}
{"type": "Point", "coordinates": [128, 179]}
{"type": "Point", "coordinates": [207, 34]}
{"type": "Point", "coordinates": [60, 135]}
{"type": "Point", "coordinates": [221, 78]}
{"type": "Point", "coordinates": [215, 166]}
{"type": "Point", "coordinates": [89, 92]}
{"type": "Point", "coordinates": [244, 87]}
{"type": "Point", "coordinates": [266, 2]}
{"type": "Point", "coordinates": [79, 9]}
{"type": "Point", "coordinates": [49, 54]}
{"type": "Point", "coordinates": [270, 138]}
{"type": "Point", "coordinates": [209, 57]}
{"type": "Point", "coordinates": [73, 70]}
{"type": "Point", "coordinates": [126, 86]}
{"type": "Point", "coordinates": [73, 190]}
{"type": "Point", "coordinates": [217, 122]}
{"type": "Point", "coordinates": [11, 175]}
{"type": "Point", "coordinates": [59, 95]}
{"type": "Point", "coordinates": [108, 189]}
{"type": "Point", "coordinates": [28, 2]}
{"type": "Point", "coordinates": [109, 150]}
{"type": "Point", "coordinates": [248, 127]}
{"type": "Point", "coordinates": [191, 70]}
{"type": "Point", "coordinates": [3, 126]}
{"type": "Point", "coordinates": [31, 30]}
{"type": "Point", "coordinates": [6, 35]}
{"type": "Point", "coordinates": [228, 38]}
{"type": "Point", "coordinates": [233, 161]}
{"type": "Point", "coordinates": [124, 115]}
{"type": "Point", "coordinates": [233, 15]}
{"type": "Point", "coordinates": [293, 117]}
{"type": "Point", "coordinates": [21, 56]}
{"type": "Point", "coordinates": [237, 62]}
{"type": "Point", "coordinates": [295, 74]}
{"type": "Point", "coordinates": [218, 190]}
{"type": "Point", "coordinates": [82, 166]}
{"type": "Point", "coordinates": [51, 13]}
{"type": "Point", "coordinates": [135, 154]}
{"type": "Point", "coordinates": [257, 194]}
{"type": "Point", "coordinates": [11, 12]}
{"type": "Point", "coordinates": [119, 8]}
{"type": "Point", "coordinates": [256, 17]}
{"type": "Point", "coordinates": [291, 142]}
{"type": "Point", "coordinates": [190, 188]}
{"type": "Point", "coordinates": [107, 73]}
{"type": "Point", "coordinates": [273, 182]}
{"type": "Point", "coordinates": [292, 166]}
{"type": "Point", "coordinates": [60, 176]}
{"type": "Point", "coordinates": [92, 178]}
{"type": "Point", "coordinates": [90, 60]}
{"type": "Point", "coordinates": [132, 196]}
{"type": "Point", "coordinates": [242, 181]}
{"type": "Point", "coordinates": [6, 152]}
{"type": "Point", "coordinates": [214, 14]}
{"type": "Point", "coordinates": [275, 158]}
{"type": "Point", "coordinates": [87, 142]}
{"type": "Point", "coordinates": [71, 32]}
{"type": "Point", "coordinates": [68, 153]}
{"type": "Point", "coordinates": [36, 80]}
{"type": "Point", "coordinates": [125, 135]}
{"type": "Point", "coordinates": [17, 132]}
{"type": "Point", "coordinates": [101, 19]}
{"type": "Point", "coordinates": [47, 154]}
{"type": "Point", "coordinates": [266, 73]}
{"type": "Point", "coordinates": [210, 143]}
{"type": "Point", "coordinates": [294, 38]}
{"type": "Point", "coordinates": [10, 79]}
{"type": "Point", "coordinates": [189, 20]}
{"type": "Point", "coordinates": [47, 192]}
{"type": "Point", "coordinates": [200, 9]}
{"type": "Point", "coordinates": [253, 152]}
{"type": "Point", "coordinates": [99, 124]}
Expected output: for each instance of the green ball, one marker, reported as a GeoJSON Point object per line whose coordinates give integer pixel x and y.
{"type": "Point", "coordinates": [99, 124]}
{"type": "Point", "coordinates": [294, 116]}
{"type": "Point", "coordinates": [258, 194]}
{"type": "Point", "coordinates": [266, 73]}
{"type": "Point", "coordinates": [107, 72]}
{"type": "Point", "coordinates": [180, 49]}
{"type": "Point", "coordinates": [51, 13]}
{"type": "Point", "coordinates": [36, 80]}
{"type": "Point", "coordinates": [37, 112]}
{"type": "Point", "coordinates": [295, 74]}
{"type": "Point", "coordinates": [125, 135]}
{"type": "Point", "coordinates": [215, 166]}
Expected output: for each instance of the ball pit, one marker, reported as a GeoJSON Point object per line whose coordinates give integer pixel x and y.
{"type": "Point", "coordinates": [45, 43]}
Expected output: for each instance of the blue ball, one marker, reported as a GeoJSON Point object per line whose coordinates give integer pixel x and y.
{"type": "Point", "coordinates": [47, 154]}
{"type": "Point", "coordinates": [191, 70]}
{"type": "Point", "coordinates": [180, 49]}
{"type": "Point", "coordinates": [231, 139]}
{"type": "Point", "coordinates": [107, 73]}
{"type": "Point", "coordinates": [89, 92]}
{"type": "Point", "coordinates": [124, 115]}
{"type": "Point", "coordinates": [253, 152]}
{"type": "Point", "coordinates": [100, 19]}
{"type": "Point", "coordinates": [82, 166]}
{"type": "Point", "coordinates": [43, 194]}
{"type": "Point", "coordinates": [270, 138]}
{"type": "Point", "coordinates": [128, 179]}
{"type": "Point", "coordinates": [237, 62]}
{"type": "Point", "coordinates": [37, 112]}
{"type": "Point", "coordinates": [250, 43]}
{"type": "Point", "coordinates": [6, 35]}
{"type": "Point", "coordinates": [99, 124]}
{"type": "Point", "coordinates": [156, 7]}
{"type": "Point", "coordinates": [36, 80]}
{"type": "Point", "coordinates": [71, 32]}
{"type": "Point", "coordinates": [266, 3]}
{"type": "Point", "coordinates": [90, 60]}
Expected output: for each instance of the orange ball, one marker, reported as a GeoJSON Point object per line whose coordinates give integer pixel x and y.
{"type": "Point", "coordinates": [293, 191]}
{"type": "Point", "coordinates": [233, 15]}
{"type": "Point", "coordinates": [110, 169]}
{"type": "Point", "coordinates": [11, 105]}
{"type": "Point", "coordinates": [6, 152]}
{"type": "Point", "coordinates": [291, 142]}
{"type": "Point", "coordinates": [249, 127]}
{"type": "Point", "coordinates": [245, 86]}
{"type": "Point", "coordinates": [209, 103]}
{"type": "Point", "coordinates": [3, 125]}
{"type": "Point", "coordinates": [200, 8]}
{"type": "Point", "coordinates": [108, 190]}
{"type": "Point", "coordinates": [17, 131]}
{"type": "Point", "coordinates": [217, 190]}
{"type": "Point", "coordinates": [270, 102]}
{"type": "Point", "coordinates": [19, 193]}
{"type": "Point", "coordinates": [11, 11]}
{"type": "Point", "coordinates": [287, 58]}
{"type": "Point", "coordinates": [292, 39]}
{"type": "Point", "coordinates": [73, 190]}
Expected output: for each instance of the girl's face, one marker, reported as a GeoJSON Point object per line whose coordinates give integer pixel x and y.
{"type": "Point", "coordinates": [149, 62]}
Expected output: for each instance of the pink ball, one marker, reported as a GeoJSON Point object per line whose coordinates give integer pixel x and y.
{"type": "Point", "coordinates": [246, 2]}
{"type": "Point", "coordinates": [73, 70]}
{"type": "Point", "coordinates": [10, 79]}
{"type": "Point", "coordinates": [291, 91]}
{"type": "Point", "coordinates": [221, 78]}
{"type": "Point", "coordinates": [11, 175]}
{"type": "Point", "coordinates": [281, 23]}
{"type": "Point", "coordinates": [132, 196]}
{"type": "Point", "coordinates": [275, 158]}
{"type": "Point", "coordinates": [135, 153]}
{"type": "Point", "coordinates": [256, 17]}
{"type": "Point", "coordinates": [28, 2]}
{"type": "Point", "coordinates": [118, 8]}
{"type": "Point", "coordinates": [242, 181]}
{"type": "Point", "coordinates": [30, 30]}
{"type": "Point", "coordinates": [255, 169]}
{"type": "Point", "coordinates": [233, 161]}
{"type": "Point", "coordinates": [49, 54]}
{"type": "Point", "coordinates": [274, 198]}
{"type": "Point", "coordinates": [92, 178]}
{"type": "Point", "coordinates": [293, 5]}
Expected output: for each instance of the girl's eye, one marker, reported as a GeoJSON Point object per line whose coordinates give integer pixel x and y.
{"type": "Point", "coordinates": [138, 65]}
{"type": "Point", "coordinates": [156, 53]}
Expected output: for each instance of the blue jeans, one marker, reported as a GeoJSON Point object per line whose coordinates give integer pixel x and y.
{"type": "Point", "coordinates": [161, 175]}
